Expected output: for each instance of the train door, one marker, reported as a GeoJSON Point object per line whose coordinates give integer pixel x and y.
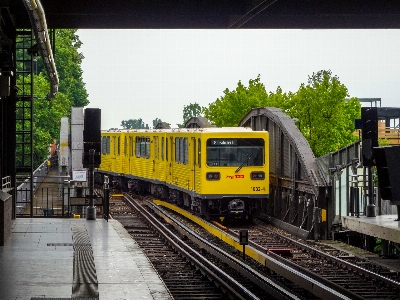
{"type": "Point", "coordinates": [193, 164]}
{"type": "Point", "coordinates": [167, 160]}
{"type": "Point", "coordinates": [156, 158]}
{"type": "Point", "coordinates": [124, 156]}
{"type": "Point", "coordinates": [171, 156]}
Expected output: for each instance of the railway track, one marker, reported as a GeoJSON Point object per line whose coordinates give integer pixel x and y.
{"type": "Point", "coordinates": [188, 271]}
{"type": "Point", "coordinates": [179, 276]}
{"type": "Point", "coordinates": [336, 268]}
{"type": "Point", "coordinates": [336, 274]}
{"type": "Point", "coordinates": [326, 272]}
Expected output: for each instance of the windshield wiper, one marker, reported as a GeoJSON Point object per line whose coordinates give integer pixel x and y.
{"type": "Point", "coordinates": [241, 166]}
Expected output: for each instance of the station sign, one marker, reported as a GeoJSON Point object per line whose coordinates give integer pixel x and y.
{"type": "Point", "coordinates": [79, 175]}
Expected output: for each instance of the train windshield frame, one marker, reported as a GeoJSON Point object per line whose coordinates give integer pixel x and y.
{"type": "Point", "coordinates": [235, 152]}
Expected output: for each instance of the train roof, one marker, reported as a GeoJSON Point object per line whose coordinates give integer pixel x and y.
{"type": "Point", "coordinates": [176, 130]}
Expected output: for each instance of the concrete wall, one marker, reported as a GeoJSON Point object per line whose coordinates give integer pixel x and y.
{"type": "Point", "coordinates": [5, 217]}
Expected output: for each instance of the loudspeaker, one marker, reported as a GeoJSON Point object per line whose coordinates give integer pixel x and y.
{"type": "Point", "coordinates": [92, 137]}
{"type": "Point", "coordinates": [92, 124]}
{"type": "Point", "coordinates": [369, 117]}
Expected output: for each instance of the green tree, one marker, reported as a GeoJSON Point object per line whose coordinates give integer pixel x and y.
{"type": "Point", "coordinates": [230, 108]}
{"type": "Point", "coordinates": [134, 124]}
{"type": "Point", "coordinates": [191, 110]}
{"type": "Point", "coordinates": [72, 92]}
{"type": "Point", "coordinates": [68, 62]}
{"type": "Point", "coordinates": [156, 121]}
{"type": "Point", "coordinates": [47, 117]}
{"type": "Point", "coordinates": [326, 119]}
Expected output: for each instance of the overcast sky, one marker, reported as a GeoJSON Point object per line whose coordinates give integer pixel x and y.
{"type": "Point", "coordinates": [148, 74]}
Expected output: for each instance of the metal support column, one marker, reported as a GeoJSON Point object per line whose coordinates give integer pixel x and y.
{"type": "Point", "coordinates": [91, 209]}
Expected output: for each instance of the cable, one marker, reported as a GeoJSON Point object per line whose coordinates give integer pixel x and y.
{"type": "Point", "coordinates": [252, 16]}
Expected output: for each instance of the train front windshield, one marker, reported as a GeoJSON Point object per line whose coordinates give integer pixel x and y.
{"type": "Point", "coordinates": [235, 152]}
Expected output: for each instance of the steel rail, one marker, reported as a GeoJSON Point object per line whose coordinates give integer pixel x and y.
{"type": "Point", "coordinates": [310, 283]}
{"type": "Point", "coordinates": [274, 289]}
{"type": "Point", "coordinates": [221, 278]}
{"type": "Point", "coordinates": [347, 264]}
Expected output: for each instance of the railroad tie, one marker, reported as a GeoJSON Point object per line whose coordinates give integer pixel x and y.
{"type": "Point", "coordinates": [84, 279]}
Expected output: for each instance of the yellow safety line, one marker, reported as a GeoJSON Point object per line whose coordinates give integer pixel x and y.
{"type": "Point", "coordinates": [256, 255]}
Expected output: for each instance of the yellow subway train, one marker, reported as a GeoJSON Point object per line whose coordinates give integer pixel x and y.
{"type": "Point", "coordinates": [218, 173]}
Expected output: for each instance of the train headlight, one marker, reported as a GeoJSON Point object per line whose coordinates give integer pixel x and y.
{"type": "Point", "coordinates": [213, 175]}
{"type": "Point", "coordinates": [257, 175]}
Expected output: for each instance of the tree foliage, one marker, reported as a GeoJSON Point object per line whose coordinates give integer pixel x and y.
{"type": "Point", "coordinates": [156, 121]}
{"type": "Point", "coordinates": [72, 92]}
{"type": "Point", "coordinates": [230, 108]}
{"type": "Point", "coordinates": [325, 117]}
{"type": "Point", "coordinates": [47, 117]}
{"type": "Point", "coordinates": [68, 62]}
{"type": "Point", "coordinates": [189, 111]}
{"type": "Point", "coordinates": [134, 124]}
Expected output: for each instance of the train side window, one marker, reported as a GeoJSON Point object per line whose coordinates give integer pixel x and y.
{"type": "Point", "coordinates": [131, 146]}
{"type": "Point", "coordinates": [119, 146]}
{"type": "Point", "coordinates": [115, 144]}
{"type": "Point", "coordinates": [181, 150]}
{"type": "Point", "coordinates": [147, 147]}
{"type": "Point", "coordinates": [185, 151]}
{"type": "Point", "coordinates": [199, 153]}
{"type": "Point", "coordinates": [171, 144]}
{"type": "Point", "coordinates": [177, 150]}
{"type": "Point", "coordinates": [104, 145]}
{"type": "Point", "coordinates": [166, 148]}
{"type": "Point", "coordinates": [194, 151]}
{"type": "Point", "coordinates": [142, 147]}
{"type": "Point", "coordinates": [125, 146]}
{"type": "Point", "coordinates": [137, 146]}
{"type": "Point", "coordinates": [108, 145]}
{"type": "Point", "coordinates": [156, 148]}
{"type": "Point", "coordinates": [162, 148]}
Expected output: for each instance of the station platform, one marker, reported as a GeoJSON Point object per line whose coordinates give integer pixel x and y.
{"type": "Point", "coordinates": [53, 258]}
{"type": "Point", "coordinates": [384, 226]}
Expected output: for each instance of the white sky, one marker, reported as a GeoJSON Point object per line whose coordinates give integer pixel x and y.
{"type": "Point", "coordinates": [148, 74]}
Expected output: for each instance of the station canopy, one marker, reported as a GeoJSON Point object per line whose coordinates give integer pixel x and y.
{"type": "Point", "coordinates": [211, 14]}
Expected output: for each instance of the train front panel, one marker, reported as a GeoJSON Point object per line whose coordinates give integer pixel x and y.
{"type": "Point", "coordinates": [234, 163]}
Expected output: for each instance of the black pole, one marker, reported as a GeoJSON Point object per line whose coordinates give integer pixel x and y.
{"type": "Point", "coordinates": [106, 202]}
{"type": "Point", "coordinates": [371, 206]}
{"type": "Point", "coordinates": [91, 210]}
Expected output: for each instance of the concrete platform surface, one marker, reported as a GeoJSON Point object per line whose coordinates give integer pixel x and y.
{"type": "Point", "coordinates": [49, 258]}
{"type": "Point", "coordinates": [384, 226]}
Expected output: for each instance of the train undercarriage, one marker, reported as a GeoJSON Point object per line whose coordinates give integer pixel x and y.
{"type": "Point", "coordinates": [224, 209]}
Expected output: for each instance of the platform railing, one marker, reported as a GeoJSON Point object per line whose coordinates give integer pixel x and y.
{"type": "Point", "coordinates": [6, 182]}
{"type": "Point", "coordinates": [25, 193]}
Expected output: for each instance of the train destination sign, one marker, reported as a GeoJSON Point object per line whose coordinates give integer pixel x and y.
{"type": "Point", "coordinates": [223, 142]}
